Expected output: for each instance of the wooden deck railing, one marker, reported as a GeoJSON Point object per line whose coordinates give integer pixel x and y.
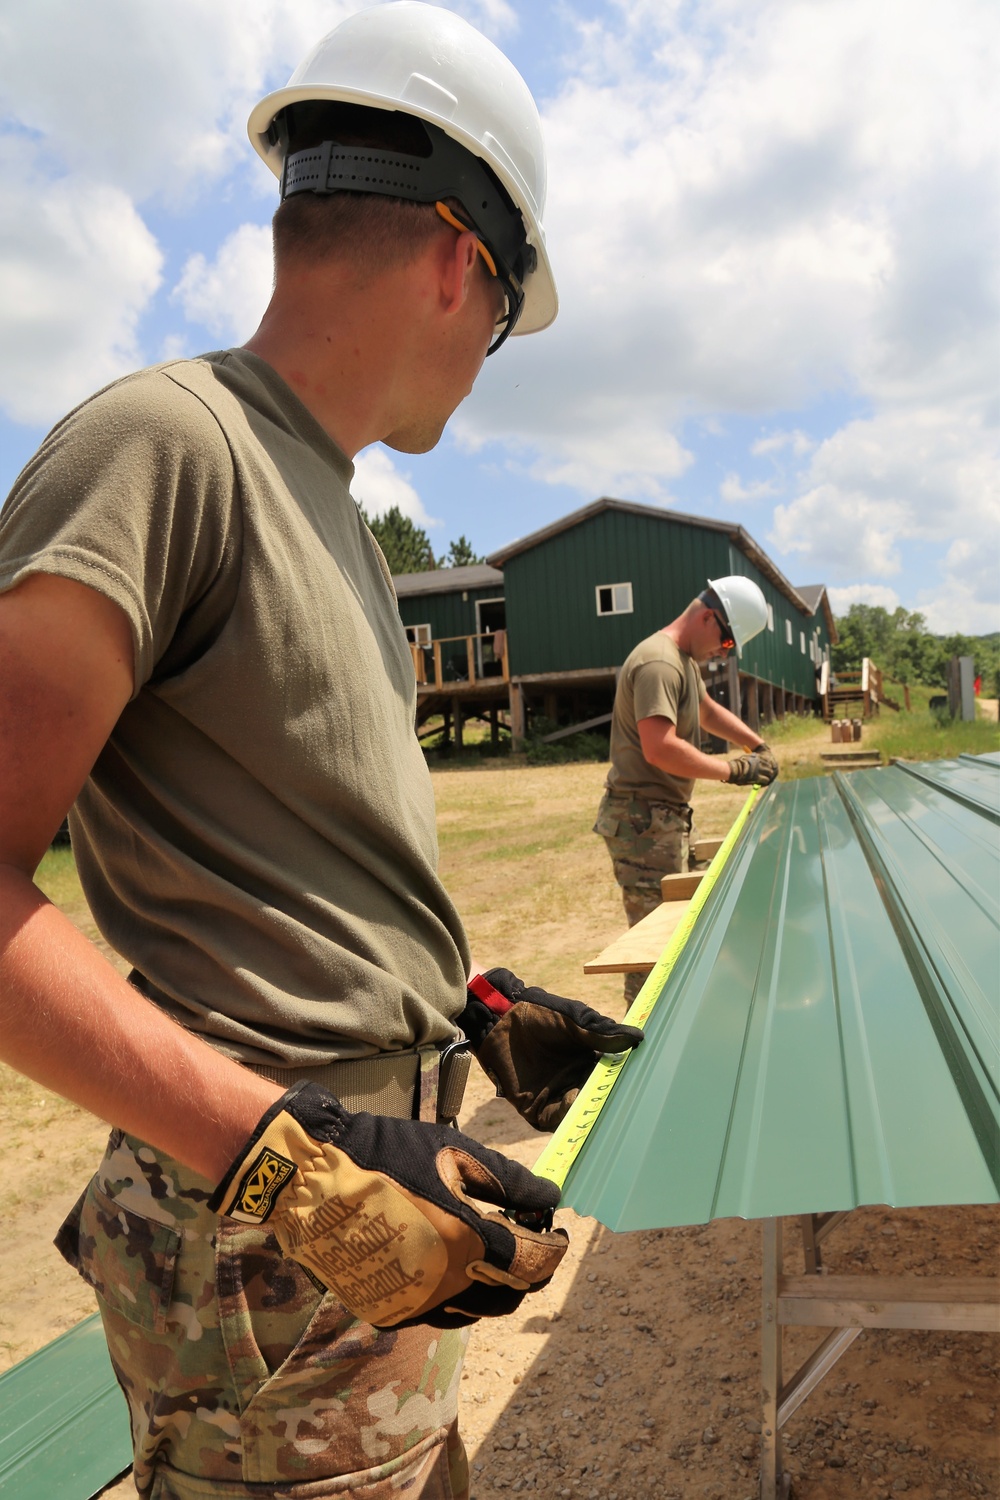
{"type": "Point", "coordinates": [863, 687]}
{"type": "Point", "coordinates": [491, 650]}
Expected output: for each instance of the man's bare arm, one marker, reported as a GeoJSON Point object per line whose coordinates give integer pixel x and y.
{"type": "Point", "coordinates": [718, 720]}
{"type": "Point", "coordinates": [67, 1018]}
{"type": "Point", "coordinates": [663, 747]}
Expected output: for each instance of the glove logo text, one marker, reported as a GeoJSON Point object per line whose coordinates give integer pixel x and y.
{"type": "Point", "coordinates": [262, 1184]}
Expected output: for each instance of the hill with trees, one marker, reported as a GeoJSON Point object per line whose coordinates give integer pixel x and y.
{"type": "Point", "coordinates": [902, 646]}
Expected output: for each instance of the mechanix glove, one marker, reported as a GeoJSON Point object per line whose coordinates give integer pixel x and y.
{"type": "Point", "coordinates": [764, 752]}
{"type": "Point", "coordinates": [538, 1049]}
{"type": "Point", "coordinates": [752, 769]}
{"type": "Point", "coordinates": [381, 1212]}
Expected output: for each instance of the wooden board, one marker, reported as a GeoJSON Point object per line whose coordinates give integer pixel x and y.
{"type": "Point", "coordinates": [680, 887]}
{"type": "Point", "coordinates": [638, 950]}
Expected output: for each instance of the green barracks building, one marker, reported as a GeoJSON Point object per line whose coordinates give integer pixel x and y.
{"type": "Point", "coordinates": [545, 626]}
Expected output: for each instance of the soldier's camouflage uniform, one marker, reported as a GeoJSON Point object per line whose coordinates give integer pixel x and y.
{"type": "Point", "coordinates": [214, 1336]}
{"type": "Point", "coordinates": [646, 840]}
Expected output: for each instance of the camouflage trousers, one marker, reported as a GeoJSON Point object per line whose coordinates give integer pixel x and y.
{"type": "Point", "coordinates": [646, 840]}
{"type": "Point", "coordinates": [243, 1380]}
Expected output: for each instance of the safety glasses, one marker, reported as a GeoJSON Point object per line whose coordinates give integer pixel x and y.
{"type": "Point", "coordinates": [726, 639]}
{"type": "Point", "coordinates": [513, 292]}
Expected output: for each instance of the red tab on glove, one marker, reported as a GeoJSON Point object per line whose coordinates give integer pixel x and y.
{"type": "Point", "coordinates": [491, 998]}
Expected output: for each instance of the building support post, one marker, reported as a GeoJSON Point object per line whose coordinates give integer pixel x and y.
{"type": "Point", "coordinates": [456, 714]}
{"type": "Point", "coordinates": [768, 710]}
{"type": "Point", "coordinates": [516, 716]}
{"type": "Point", "coordinates": [733, 686]}
{"type": "Point", "coordinates": [753, 706]}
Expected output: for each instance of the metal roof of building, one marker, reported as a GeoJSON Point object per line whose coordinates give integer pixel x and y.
{"type": "Point", "coordinates": [736, 534]}
{"type": "Point", "coordinates": [447, 580]}
{"type": "Point", "coordinates": [830, 1034]}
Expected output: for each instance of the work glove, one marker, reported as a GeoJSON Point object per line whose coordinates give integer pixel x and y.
{"type": "Point", "coordinates": [380, 1211]}
{"type": "Point", "coordinates": [764, 752]}
{"type": "Point", "coordinates": [752, 769]}
{"type": "Point", "coordinates": [538, 1049]}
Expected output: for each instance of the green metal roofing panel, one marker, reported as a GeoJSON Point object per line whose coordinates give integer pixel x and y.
{"type": "Point", "coordinates": [64, 1425]}
{"type": "Point", "coordinates": [830, 1034]}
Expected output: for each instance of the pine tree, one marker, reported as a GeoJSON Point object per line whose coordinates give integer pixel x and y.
{"type": "Point", "coordinates": [406, 546]}
{"type": "Point", "coordinates": [461, 555]}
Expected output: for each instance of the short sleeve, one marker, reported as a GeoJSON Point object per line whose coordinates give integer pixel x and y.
{"type": "Point", "coordinates": [133, 494]}
{"type": "Point", "coordinates": [657, 687]}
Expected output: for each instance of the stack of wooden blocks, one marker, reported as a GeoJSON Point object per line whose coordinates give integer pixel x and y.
{"type": "Point", "coordinates": [843, 731]}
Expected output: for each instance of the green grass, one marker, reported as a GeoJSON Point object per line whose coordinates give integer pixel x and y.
{"type": "Point", "coordinates": [921, 735]}
{"type": "Point", "coordinates": [56, 877]}
{"type": "Point", "coordinates": [790, 729]}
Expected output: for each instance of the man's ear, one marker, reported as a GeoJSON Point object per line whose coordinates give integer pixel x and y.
{"type": "Point", "coordinates": [458, 266]}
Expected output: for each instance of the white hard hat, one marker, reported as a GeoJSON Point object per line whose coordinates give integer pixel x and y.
{"type": "Point", "coordinates": [430, 63]}
{"type": "Point", "coordinates": [744, 604]}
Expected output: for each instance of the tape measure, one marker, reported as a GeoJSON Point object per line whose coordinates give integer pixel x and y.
{"type": "Point", "coordinates": [564, 1147]}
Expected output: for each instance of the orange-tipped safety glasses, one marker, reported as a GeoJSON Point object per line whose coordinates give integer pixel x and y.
{"type": "Point", "coordinates": [512, 290]}
{"type": "Point", "coordinates": [726, 638]}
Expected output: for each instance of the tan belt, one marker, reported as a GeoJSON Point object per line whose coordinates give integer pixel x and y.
{"type": "Point", "coordinates": [425, 1083]}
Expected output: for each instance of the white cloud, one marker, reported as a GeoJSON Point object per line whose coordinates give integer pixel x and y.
{"type": "Point", "coordinates": [153, 98]}
{"type": "Point", "coordinates": [378, 486]}
{"type": "Point", "coordinates": [798, 442]}
{"type": "Point", "coordinates": [734, 492]}
{"type": "Point", "coordinates": [841, 599]}
{"type": "Point", "coordinates": [966, 598]}
{"type": "Point", "coordinates": [924, 475]}
{"type": "Point", "coordinates": [495, 18]}
{"type": "Point", "coordinates": [229, 295]}
{"type": "Point", "coordinates": [777, 201]}
{"type": "Point", "coordinates": [78, 267]}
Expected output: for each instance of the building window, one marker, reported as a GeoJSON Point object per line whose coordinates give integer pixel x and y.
{"type": "Point", "coordinates": [770, 617]}
{"type": "Point", "coordinates": [788, 632]}
{"type": "Point", "coordinates": [802, 642]}
{"type": "Point", "coordinates": [418, 635]}
{"type": "Point", "coordinates": [614, 598]}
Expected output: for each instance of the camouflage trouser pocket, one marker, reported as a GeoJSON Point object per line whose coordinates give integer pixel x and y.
{"type": "Point", "coordinates": [128, 1259]}
{"type": "Point", "coordinates": [645, 840]}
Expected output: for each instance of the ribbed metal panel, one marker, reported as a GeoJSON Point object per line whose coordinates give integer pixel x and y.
{"type": "Point", "coordinates": [64, 1427]}
{"type": "Point", "coordinates": [830, 1035]}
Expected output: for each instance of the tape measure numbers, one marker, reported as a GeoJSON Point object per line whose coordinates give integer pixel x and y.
{"type": "Point", "coordinates": [564, 1147]}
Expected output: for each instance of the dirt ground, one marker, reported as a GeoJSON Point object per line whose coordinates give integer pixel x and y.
{"type": "Point", "coordinates": [635, 1375]}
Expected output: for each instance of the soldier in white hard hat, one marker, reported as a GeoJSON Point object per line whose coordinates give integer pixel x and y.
{"type": "Point", "coordinates": [200, 650]}
{"type": "Point", "coordinates": [645, 816]}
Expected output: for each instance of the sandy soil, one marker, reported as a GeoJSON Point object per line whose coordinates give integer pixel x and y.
{"type": "Point", "coordinates": [635, 1375]}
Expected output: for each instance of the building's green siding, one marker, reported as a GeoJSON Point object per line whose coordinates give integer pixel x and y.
{"type": "Point", "coordinates": [552, 616]}
{"type": "Point", "coordinates": [446, 614]}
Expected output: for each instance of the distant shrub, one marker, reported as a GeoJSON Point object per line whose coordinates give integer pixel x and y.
{"type": "Point", "coordinates": [584, 746]}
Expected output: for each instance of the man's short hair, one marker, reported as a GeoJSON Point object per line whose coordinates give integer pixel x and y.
{"type": "Point", "coordinates": [709, 599]}
{"type": "Point", "coordinates": [369, 228]}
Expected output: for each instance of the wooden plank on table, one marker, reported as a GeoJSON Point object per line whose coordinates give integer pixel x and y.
{"type": "Point", "coordinates": [947, 1302]}
{"type": "Point", "coordinates": [705, 849]}
{"type": "Point", "coordinates": [680, 887]}
{"type": "Point", "coordinates": [638, 950]}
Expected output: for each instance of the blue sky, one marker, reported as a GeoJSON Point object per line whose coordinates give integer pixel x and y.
{"type": "Point", "coordinates": [773, 228]}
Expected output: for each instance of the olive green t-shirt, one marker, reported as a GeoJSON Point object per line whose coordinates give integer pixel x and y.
{"type": "Point", "coordinates": [658, 679]}
{"type": "Point", "coordinates": [257, 837]}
